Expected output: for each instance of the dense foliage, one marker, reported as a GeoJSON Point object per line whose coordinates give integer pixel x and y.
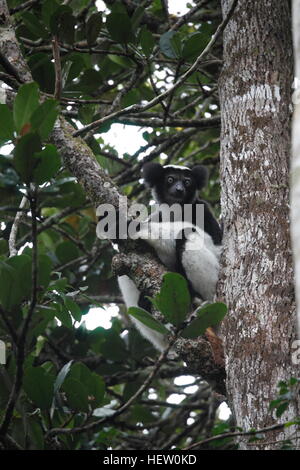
{"type": "Point", "coordinates": [61, 381]}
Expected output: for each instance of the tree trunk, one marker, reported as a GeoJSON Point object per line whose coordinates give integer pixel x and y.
{"type": "Point", "coordinates": [257, 278]}
{"type": "Point", "coordinates": [295, 171]}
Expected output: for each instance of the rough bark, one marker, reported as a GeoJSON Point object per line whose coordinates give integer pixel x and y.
{"type": "Point", "coordinates": [257, 278]}
{"type": "Point", "coordinates": [295, 170]}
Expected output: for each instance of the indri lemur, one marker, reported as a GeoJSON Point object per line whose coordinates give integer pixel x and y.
{"type": "Point", "coordinates": [196, 253]}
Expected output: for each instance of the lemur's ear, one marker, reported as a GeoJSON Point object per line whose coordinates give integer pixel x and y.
{"type": "Point", "coordinates": [152, 173]}
{"type": "Point", "coordinates": [200, 173]}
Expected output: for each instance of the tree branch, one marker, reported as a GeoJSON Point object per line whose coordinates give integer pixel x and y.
{"type": "Point", "coordinates": [206, 123]}
{"type": "Point", "coordinates": [57, 66]}
{"type": "Point", "coordinates": [275, 427]}
{"type": "Point", "coordinates": [23, 6]}
{"type": "Point", "coordinates": [14, 229]}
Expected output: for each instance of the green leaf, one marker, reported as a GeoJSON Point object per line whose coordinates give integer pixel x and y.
{"type": "Point", "coordinates": [294, 422]}
{"type": "Point", "coordinates": [47, 165]}
{"type": "Point", "coordinates": [26, 102]}
{"type": "Point", "coordinates": [170, 44]}
{"type": "Point", "coordinates": [119, 27]}
{"type": "Point", "coordinates": [16, 278]}
{"type": "Point", "coordinates": [34, 25]}
{"type": "Point", "coordinates": [96, 390]}
{"type": "Point", "coordinates": [81, 372]}
{"type": "Point", "coordinates": [44, 117]}
{"type": "Point", "coordinates": [62, 375]}
{"type": "Point", "coordinates": [3, 246]}
{"type": "Point", "coordinates": [144, 317]}
{"type": "Point", "coordinates": [123, 62]}
{"type": "Point", "coordinates": [42, 70]}
{"type": "Point", "coordinates": [194, 44]}
{"type": "Point", "coordinates": [66, 251]}
{"type": "Point", "coordinates": [6, 123]}
{"type": "Point", "coordinates": [39, 386]}
{"type": "Point", "coordinates": [293, 381]}
{"type": "Point", "coordinates": [66, 28]}
{"type": "Point", "coordinates": [142, 414]}
{"type": "Point", "coordinates": [113, 347]}
{"type": "Point", "coordinates": [73, 308]}
{"type": "Point", "coordinates": [24, 156]}
{"type": "Point", "coordinates": [281, 409]}
{"type": "Point", "coordinates": [56, 17]}
{"type": "Point", "coordinates": [174, 298]}
{"type": "Point", "coordinates": [86, 113]}
{"type": "Point", "coordinates": [44, 270]}
{"type": "Point", "coordinates": [147, 41]}
{"type": "Point", "coordinates": [35, 432]}
{"type": "Point", "coordinates": [43, 316]}
{"type": "Point", "coordinates": [130, 389]}
{"type": "Point", "coordinates": [92, 381]}
{"type": "Point", "coordinates": [8, 278]}
{"type": "Point", "coordinates": [137, 17]}
{"type": "Point", "coordinates": [275, 403]}
{"type": "Point", "coordinates": [77, 394]}
{"type": "Point", "coordinates": [48, 9]}
{"type": "Point", "coordinates": [214, 312]}
{"type": "Point", "coordinates": [23, 278]}
{"type": "Point", "coordinates": [63, 315]}
{"type": "Point", "coordinates": [93, 28]}
{"type": "Point", "coordinates": [176, 45]}
{"type": "Point", "coordinates": [59, 284]}
{"type": "Point", "coordinates": [88, 80]}
{"type": "Point", "coordinates": [210, 315]}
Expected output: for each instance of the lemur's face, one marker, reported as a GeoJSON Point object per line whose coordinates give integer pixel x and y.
{"type": "Point", "coordinates": [179, 187]}
{"type": "Point", "coordinates": [173, 184]}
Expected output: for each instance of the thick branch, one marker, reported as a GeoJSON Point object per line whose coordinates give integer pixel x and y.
{"type": "Point", "coordinates": [205, 123]}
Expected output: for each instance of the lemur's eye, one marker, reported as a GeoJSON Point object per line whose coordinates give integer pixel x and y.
{"type": "Point", "coordinates": [187, 182]}
{"type": "Point", "coordinates": [170, 180]}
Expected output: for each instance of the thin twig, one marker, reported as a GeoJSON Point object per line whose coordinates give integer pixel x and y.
{"type": "Point", "coordinates": [10, 443]}
{"type": "Point", "coordinates": [131, 83]}
{"type": "Point", "coordinates": [171, 95]}
{"type": "Point", "coordinates": [114, 158]}
{"type": "Point", "coordinates": [9, 80]}
{"type": "Point", "coordinates": [23, 6]}
{"type": "Point", "coordinates": [9, 68]}
{"type": "Point", "coordinates": [14, 229]}
{"type": "Point", "coordinates": [205, 123]}
{"type": "Point", "coordinates": [185, 18]}
{"type": "Point", "coordinates": [275, 427]}
{"type": "Point", "coordinates": [156, 91]}
{"type": "Point", "coordinates": [57, 65]}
